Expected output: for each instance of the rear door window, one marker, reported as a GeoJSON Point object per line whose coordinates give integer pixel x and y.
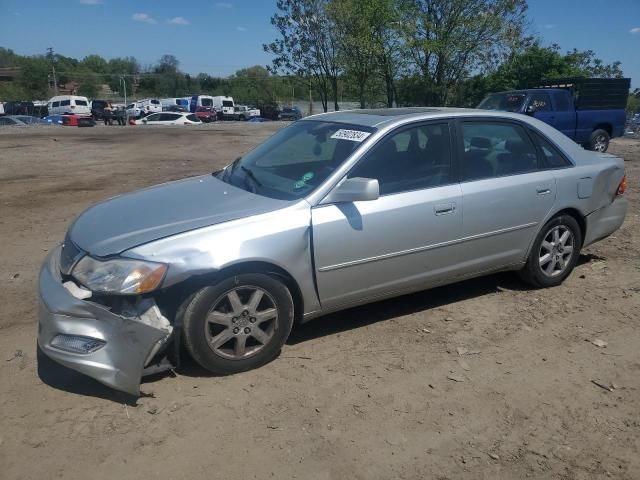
{"type": "Point", "coordinates": [494, 149]}
{"type": "Point", "coordinates": [65, 103]}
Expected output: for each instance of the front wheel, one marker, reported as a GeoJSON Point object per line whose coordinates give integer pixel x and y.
{"type": "Point", "coordinates": [599, 140]}
{"type": "Point", "coordinates": [238, 324]}
{"type": "Point", "coordinates": [554, 253]}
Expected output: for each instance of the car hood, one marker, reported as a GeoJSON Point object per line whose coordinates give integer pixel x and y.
{"type": "Point", "coordinates": [133, 219]}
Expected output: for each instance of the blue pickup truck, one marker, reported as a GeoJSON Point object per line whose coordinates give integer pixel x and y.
{"type": "Point", "coordinates": [590, 111]}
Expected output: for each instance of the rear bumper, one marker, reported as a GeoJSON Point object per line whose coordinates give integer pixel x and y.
{"type": "Point", "coordinates": [605, 221]}
{"type": "Point", "coordinates": [128, 341]}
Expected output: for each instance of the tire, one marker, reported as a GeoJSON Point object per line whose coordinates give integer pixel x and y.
{"type": "Point", "coordinates": [550, 273]}
{"type": "Point", "coordinates": [599, 140]}
{"type": "Point", "coordinates": [224, 339]}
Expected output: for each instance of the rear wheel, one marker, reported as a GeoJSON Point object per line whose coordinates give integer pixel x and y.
{"type": "Point", "coordinates": [599, 140]}
{"type": "Point", "coordinates": [238, 324]}
{"type": "Point", "coordinates": [554, 253]}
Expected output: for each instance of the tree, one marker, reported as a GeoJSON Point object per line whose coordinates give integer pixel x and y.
{"type": "Point", "coordinates": [449, 39]}
{"type": "Point", "coordinates": [95, 63]}
{"type": "Point", "coordinates": [308, 45]}
{"type": "Point", "coordinates": [367, 33]}
{"type": "Point", "coordinates": [253, 85]}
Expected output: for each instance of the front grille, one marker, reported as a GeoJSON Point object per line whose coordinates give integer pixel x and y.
{"type": "Point", "coordinates": [69, 256]}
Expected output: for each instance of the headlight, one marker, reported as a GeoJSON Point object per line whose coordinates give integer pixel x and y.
{"type": "Point", "coordinates": [122, 276]}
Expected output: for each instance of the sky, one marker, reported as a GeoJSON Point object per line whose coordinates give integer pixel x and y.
{"type": "Point", "coordinates": [220, 37]}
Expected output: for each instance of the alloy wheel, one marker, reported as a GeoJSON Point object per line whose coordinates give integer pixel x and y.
{"type": "Point", "coordinates": [241, 323]}
{"type": "Point", "coordinates": [600, 143]}
{"type": "Point", "coordinates": [556, 251]}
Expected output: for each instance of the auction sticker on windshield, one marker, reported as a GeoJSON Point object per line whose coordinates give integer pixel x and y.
{"type": "Point", "coordinates": [353, 135]}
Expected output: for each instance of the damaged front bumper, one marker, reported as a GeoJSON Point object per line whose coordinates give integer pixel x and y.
{"type": "Point", "coordinates": [89, 338]}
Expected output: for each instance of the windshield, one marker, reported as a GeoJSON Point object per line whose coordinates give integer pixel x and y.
{"type": "Point", "coordinates": [296, 160]}
{"type": "Point", "coordinates": [509, 102]}
{"type": "Point", "coordinates": [227, 103]}
{"type": "Point", "coordinates": [206, 102]}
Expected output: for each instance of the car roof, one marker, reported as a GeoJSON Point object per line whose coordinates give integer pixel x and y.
{"type": "Point", "coordinates": [384, 117]}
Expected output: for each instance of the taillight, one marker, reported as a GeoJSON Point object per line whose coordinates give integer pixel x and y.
{"type": "Point", "coordinates": [622, 186]}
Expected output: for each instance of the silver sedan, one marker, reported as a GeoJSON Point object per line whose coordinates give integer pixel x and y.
{"type": "Point", "coordinates": [333, 211]}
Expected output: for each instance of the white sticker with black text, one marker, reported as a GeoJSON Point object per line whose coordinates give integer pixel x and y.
{"type": "Point", "coordinates": [353, 135]}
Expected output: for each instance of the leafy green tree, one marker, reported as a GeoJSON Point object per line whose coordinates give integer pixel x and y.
{"type": "Point", "coordinates": [449, 39]}
{"type": "Point", "coordinates": [95, 64]}
{"type": "Point", "coordinates": [307, 46]}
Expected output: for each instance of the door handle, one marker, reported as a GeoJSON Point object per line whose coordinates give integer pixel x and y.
{"type": "Point", "coordinates": [444, 208]}
{"type": "Point", "coordinates": [543, 191]}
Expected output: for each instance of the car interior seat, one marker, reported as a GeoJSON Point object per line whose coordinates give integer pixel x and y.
{"type": "Point", "coordinates": [518, 158]}
{"type": "Point", "coordinates": [476, 163]}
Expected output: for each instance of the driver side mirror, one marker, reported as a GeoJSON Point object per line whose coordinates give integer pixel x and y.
{"type": "Point", "coordinates": [531, 109]}
{"type": "Point", "coordinates": [354, 190]}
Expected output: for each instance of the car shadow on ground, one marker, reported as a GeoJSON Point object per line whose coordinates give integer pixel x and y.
{"type": "Point", "coordinates": [62, 378]}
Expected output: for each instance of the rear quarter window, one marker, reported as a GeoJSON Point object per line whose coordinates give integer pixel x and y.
{"type": "Point", "coordinates": [193, 118]}
{"type": "Point", "coordinates": [551, 156]}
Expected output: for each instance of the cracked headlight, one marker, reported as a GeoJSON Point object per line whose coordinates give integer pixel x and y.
{"type": "Point", "coordinates": [119, 276]}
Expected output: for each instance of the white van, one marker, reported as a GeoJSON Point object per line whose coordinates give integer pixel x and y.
{"type": "Point", "coordinates": [196, 101]}
{"type": "Point", "coordinates": [225, 105]}
{"type": "Point", "coordinates": [69, 104]}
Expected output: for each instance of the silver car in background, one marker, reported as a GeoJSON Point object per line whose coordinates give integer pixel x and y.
{"type": "Point", "coordinates": [333, 211]}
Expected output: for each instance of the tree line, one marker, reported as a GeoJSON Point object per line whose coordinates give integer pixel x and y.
{"type": "Point", "coordinates": [418, 52]}
{"type": "Point", "coordinates": [375, 52]}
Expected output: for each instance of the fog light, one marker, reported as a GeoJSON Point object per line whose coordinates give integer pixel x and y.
{"type": "Point", "coordinates": [77, 344]}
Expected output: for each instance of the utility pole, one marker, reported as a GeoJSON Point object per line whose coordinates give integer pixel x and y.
{"type": "Point", "coordinates": [53, 68]}
{"type": "Point", "coordinates": [124, 87]}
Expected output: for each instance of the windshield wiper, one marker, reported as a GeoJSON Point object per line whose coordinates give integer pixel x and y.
{"type": "Point", "coordinates": [226, 171]}
{"type": "Point", "coordinates": [250, 175]}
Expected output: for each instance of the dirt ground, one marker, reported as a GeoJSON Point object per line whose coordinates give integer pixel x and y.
{"type": "Point", "coordinates": [363, 394]}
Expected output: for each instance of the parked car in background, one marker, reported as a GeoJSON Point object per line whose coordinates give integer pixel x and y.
{"type": "Point", "coordinates": [270, 111]}
{"type": "Point", "coordinates": [244, 113]}
{"type": "Point", "coordinates": [97, 108]}
{"type": "Point", "coordinates": [142, 108]}
{"type": "Point", "coordinates": [176, 108]}
{"type": "Point", "coordinates": [70, 120]}
{"type": "Point", "coordinates": [290, 113]}
{"type": "Point", "coordinates": [170, 104]}
{"type": "Point", "coordinates": [20, 120]}
{"type": "Point", "coordinates": [589, 111]}
{"type": "Point", "coordinates": [1, 108]}
{"type": "Point", "coordinates": [206, 114]}
{"type": "Point", "coordinates": [18, 108]}
{"type": "Point", "coordinates": [334, 211]}
{"type": "Point", "coordinates": [169, 118]}
{"type": "Point", "coordinates": [71, 104]}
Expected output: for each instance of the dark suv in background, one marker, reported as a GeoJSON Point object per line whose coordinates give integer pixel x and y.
{"type": "Point", "coordinates": [290, 113]}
